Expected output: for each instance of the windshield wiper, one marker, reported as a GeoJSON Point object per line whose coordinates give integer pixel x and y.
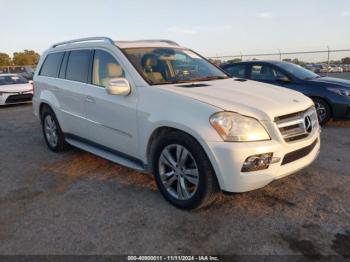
{"type": "Point", "coordinates": [208, 78]}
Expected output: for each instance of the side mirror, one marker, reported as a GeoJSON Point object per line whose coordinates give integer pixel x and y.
{"type": "Point", "coordinates": [283, 79]}
{"type": "Point", "coordinates": [118, 86]}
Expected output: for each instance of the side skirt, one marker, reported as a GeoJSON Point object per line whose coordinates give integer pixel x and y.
{"type": "Point", "coordinates": [106, 153]}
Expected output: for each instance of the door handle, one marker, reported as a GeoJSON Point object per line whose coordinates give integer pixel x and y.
{"type": "Point", "coordinates": [90, 99]}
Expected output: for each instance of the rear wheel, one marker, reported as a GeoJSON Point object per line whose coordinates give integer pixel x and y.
{"type": "Point", "coordinates": [323, 110]}
{"type": "Point", "coordinates": [183, 172]}
{"type": "Point", "coordinates": [52, 132]}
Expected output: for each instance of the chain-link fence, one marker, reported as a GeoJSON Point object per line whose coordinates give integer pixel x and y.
{"type": "Point", "coordinates": [319, 61]}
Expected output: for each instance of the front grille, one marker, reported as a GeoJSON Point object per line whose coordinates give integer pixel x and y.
{"type": "Point", "coordinates": [297, 125]}
{"type": "Point", "coordinates": [300, 153]}
{"type": "Point", "coordinates": [19, 98]}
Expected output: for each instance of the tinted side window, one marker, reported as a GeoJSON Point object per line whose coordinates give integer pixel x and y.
{"type": "Point", "coordinates": [263, 73]}
{"type": "Point", "coordinates": [51, 64]}
{"type": "Point", "coordinates": [279, 74]}
{"type": "Point", "coordinates": [78, 65]}
{"type": "Point", "coordinates": [105, 68]}
{"type": "Point", "coordinates": [236, 70]}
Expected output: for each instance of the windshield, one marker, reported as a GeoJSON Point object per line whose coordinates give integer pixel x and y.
{"type": "Point", "coordinates": [12, 80]}
{"type": "Point", "coordinates": [171, 65]}
{"type": "Point", "coordinates": [298, 71]}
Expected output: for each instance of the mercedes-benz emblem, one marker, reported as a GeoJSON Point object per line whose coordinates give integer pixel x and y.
{"type": "Point", "coordinates": [308, 124]}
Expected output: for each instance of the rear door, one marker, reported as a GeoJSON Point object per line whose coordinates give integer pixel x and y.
{"type": "Point", "coordinates": [112, 118]}
{"type": "Point", "coordinates": [73, 77]}
{"type": "Point", "coordinates": [236, 70]}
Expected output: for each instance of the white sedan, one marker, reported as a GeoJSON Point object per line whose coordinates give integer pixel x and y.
{"type": "Point", "coordinates": [15, 89]}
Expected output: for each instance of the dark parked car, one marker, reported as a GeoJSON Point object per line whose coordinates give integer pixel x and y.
{"type": "Point", "coordinates": [330, 95]}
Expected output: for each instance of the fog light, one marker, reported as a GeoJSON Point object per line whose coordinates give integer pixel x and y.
{"type": "Point", "coordinates": [258, 162]}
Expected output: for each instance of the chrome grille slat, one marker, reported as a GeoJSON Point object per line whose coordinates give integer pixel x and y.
{"type": "Point", "coordinates": [290, 123]}
{"type": "Point", "coordinates": [292, 126]}
{"type": "Point", "coordinates": [293, 135]}
{"type": "Point", "coordinates": [294, 131]}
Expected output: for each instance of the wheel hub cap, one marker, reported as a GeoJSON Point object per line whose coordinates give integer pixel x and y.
{"type": "Point", "coordinates": [178, 172]}
{"type": "Point", "coordinates": [50, 131]}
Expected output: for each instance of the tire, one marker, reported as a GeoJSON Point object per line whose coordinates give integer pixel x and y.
{"type": "Point", "coordinates": [52, 132]}
{"type": "Point", "coordinates": [323, 110]}
{"type": "Point", "coordinates": [190, 169]}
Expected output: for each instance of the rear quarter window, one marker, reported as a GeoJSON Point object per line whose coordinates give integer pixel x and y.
{"type": "Point", "coordinates": [51, 64]}
{"type": "Point", "coordinates": [78, 65]}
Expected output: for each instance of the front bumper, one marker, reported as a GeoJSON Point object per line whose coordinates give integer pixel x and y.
{"type": "Point", "coordinates": [341, 111]}
{"type": "Point", "coordinates": [228, 158]}
{"type": "Point", "coordinates": [16, 98]}
{"type": "Point", "coordinates": [340, 106]}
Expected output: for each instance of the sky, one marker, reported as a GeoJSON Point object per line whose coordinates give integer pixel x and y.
{"type": "Point", "coordinates": [211, 27]}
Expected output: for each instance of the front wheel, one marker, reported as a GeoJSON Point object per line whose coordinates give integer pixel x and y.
{"type": "Point", "coordinates": [323, 110]}
{"type": "Point", "coordinates": [183, 172]}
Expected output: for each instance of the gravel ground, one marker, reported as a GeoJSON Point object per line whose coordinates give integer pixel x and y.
{"type": "Point", "coordinates": [77, 203]}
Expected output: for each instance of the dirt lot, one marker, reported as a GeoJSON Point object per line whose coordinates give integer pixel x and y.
{"type": "Point", "coordinates": [76, 203]}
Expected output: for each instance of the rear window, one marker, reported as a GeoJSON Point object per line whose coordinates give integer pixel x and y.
{"type": "Point", "coordinates": [51, 64]}
{"type": "Point", "coordinates": [12, 80]}
{"type": "Point", "coordinates": [78, 65]}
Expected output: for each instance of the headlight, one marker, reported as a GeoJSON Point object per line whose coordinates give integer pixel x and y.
{"type": "Point", "coordinates": [234, 127]}
{"type": "Point", "coordinates": [339, 91]}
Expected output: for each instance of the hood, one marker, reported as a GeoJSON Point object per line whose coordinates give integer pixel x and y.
{"type": "Point", "coordinates": [251, 98]}
{"type": "Point", "coordinates": [333, 81]}
{"type": "Point", "coordinates": [16, 88]}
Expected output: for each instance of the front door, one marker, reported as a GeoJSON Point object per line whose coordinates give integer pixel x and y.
{"type": "Point", "coordinates": [112, 118]}
{"type": "Point", "coordinates": [267, 73]}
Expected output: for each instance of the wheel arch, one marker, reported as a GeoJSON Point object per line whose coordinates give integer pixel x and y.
{"type": "Point", "coordinates": [325, 100]}
{"type": "Point", "coordinates": [163, 130]}
{"type": "Point", "coordinates": [42, 106]}
{"type": "Point", "coordinates": [49, 99]}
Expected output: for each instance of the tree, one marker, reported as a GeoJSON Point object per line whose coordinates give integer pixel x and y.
{"type": "Point", "coordinates": [5, 59]}
{"type": "Point", "coordinates": [27, 57]}
{"type": "Point", "coordinates": [215, 61]}
{"type": "Point", "coordinates": [345, 60]}
{"type": "Point", "coordinates": [235, 60]}
{"type": "Point", "coordinates": [294, 61]}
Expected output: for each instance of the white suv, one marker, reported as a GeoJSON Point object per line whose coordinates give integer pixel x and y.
{"type": "Point", "coordinates": [157, 107]}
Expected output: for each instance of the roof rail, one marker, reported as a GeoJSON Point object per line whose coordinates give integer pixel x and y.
{"type": "Point", "coordinates": [151, 41]}
{"type": "Point", "coordinates": [86, 39]}
{"type": "Point", "coordinates": [168, 41]}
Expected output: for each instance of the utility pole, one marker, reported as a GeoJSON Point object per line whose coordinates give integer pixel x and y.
{"type": "Point", "coordinates": [328, 52]}
{"type": "Point", "coordinates": [279, 52]}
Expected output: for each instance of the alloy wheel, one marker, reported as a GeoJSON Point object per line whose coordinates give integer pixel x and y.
{"type": "Point", "coordinates": [321, 111]}
{"type": "Point", "coordinates": [51, 131]}
{"type": "Point", "coordinates": [178, 172]}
